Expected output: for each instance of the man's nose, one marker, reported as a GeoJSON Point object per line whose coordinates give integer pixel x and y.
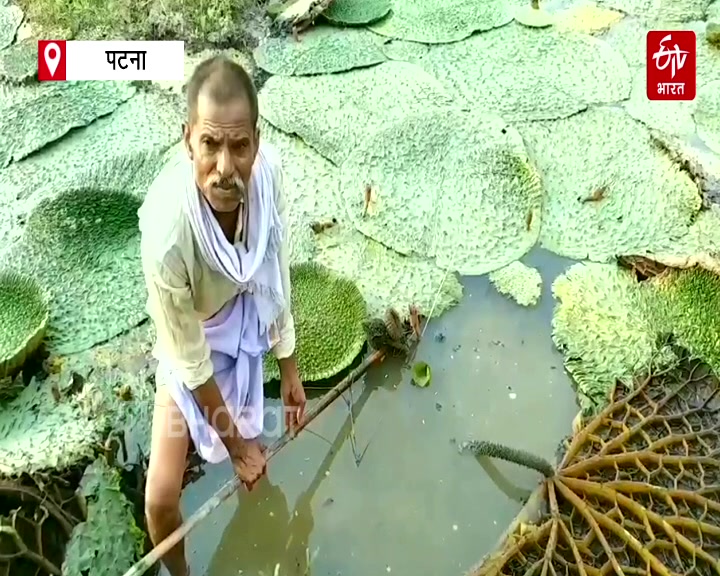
{"type": "Point", "coordinates": [224, 163]}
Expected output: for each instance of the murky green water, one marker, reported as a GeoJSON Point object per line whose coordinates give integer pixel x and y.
{"type": "Point", "coordinates": [412, 504]}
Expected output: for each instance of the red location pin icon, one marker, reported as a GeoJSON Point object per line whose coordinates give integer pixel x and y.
{"type": "Point", "coordinates": [52, 57]}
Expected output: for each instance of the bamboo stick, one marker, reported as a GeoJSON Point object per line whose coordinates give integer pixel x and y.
{"type": "Point", "coordinates": [149, 560]}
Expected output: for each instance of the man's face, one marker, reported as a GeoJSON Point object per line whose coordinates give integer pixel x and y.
{"type": "Point", "coordinates": [222, 143]}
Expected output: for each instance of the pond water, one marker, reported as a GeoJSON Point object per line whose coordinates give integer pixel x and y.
{"type": "Point", "coordinates": [412, 504]}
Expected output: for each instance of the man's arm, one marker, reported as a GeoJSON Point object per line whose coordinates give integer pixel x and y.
{"type": "Point", "coordinates": [181, 339]}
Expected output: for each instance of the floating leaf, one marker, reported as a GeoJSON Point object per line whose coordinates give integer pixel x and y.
{"type": "Point", "coordinates": [519, 281]}
{"type": "Point", "coordinates": [663, 10]}
{"type": "Point", "coordinates": [421, 374]}
{"type": "Point", "coordinates": [357, 12]}
{"type": "Point", "coordinates": [11, 16]}
{"type": "Point", "coordinates": [707, 115]}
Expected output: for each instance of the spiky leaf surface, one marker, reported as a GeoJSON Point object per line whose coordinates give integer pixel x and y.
{"type": "Point", "coordinates": [521, 282]}
{"type": "Point", "coordinates": [601, 203]}
{"type": "Point", "coordinates": [609, 325]}
{"type": "Point", "coordinates": [329, 312]}
{"type": "Point", "coordinates": [37, 433]}
{"type": "Point", "coordinates": [357, 12]}
{"type": "Point", "coordinates": [637, 490]}
{"type": "Point", "coordinates": [84, 248]}
{"type": "Point", "coordinates": [37, 114]}
{"type": "Point", "coordinates": [602, 328]}
{"type": "Point", "coordinates": [404, 50]}
{"type": "Point", "coordinates": [356, 104]}
{"type": "Point", "coordinates": [23, 316]}
{"type": "Point", "coordinates": [707, 115]}
{"type": "Point", "coordinates": [11, 16]}
{"type": "Point", "coordinates": [439, 21]}
{"type": "Point", "coordinates": [322, 50]}
{"type": "Point", "coordinates": [450, 185]}
{"type": "Point", "coordinates": [18, 63]}
{"type": "Point", "coordinates": [122, 151]}
{"type": "Point", "coordinates": [108, 542]}
{"type": "Point", "coordinates": [546, 74]}
{"type": "Point", "coordinates": [663, 10]}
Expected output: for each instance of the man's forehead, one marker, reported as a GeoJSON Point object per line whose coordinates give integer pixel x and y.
{"type": "Point", "coordinates": [234, 110]}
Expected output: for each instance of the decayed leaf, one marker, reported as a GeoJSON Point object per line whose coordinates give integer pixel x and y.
{"type": "Point", "coordinates": [341, 110]}
{"type": "Point", "coordinates": [439, 21]}
{"type": "Point", "coordinates": [649, 202]}
{"type": "Point", "coordinates": [519, 281]}
{"type": "Point", "coordinates": [450, 185]}
{"type": "Point", "coordinates": [108, 542]}
{"type": "Point", "coordinates": [37, 114]}
{"type": "Point", "coordinates": [546, 75]}
{"type": "Point", "coordinates": [322, 50]}
{"type": "Point", "coordinates": [636, 492]}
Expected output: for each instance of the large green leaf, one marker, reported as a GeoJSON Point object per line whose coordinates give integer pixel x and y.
{"type": "Point", "coordinates": [329, 312]}
{"type": "Point", "coordinates": [448, 185]}
{"type": "Point", "coordinates": [109, 541]}
{"type": "Point", "coordinates": [18, 63]}
{"type": "Point", "coordinates": [519, 281]}
{"type": "Point", "coordinates": [665, 10]}
{"type": "Point", "coordinates": [10, 19]}
{"type": "Point", "coordinates": [707, 115]}
{"type": "Point", "coordinates": [528, 74]}
{"type": "Point", "coordinates": [609, 189]}
{"type": "Point", "coordinates": [322, 50]}
{"type": "Point", "coordinates": [357, 12]}
{"type": "Point", "coordinates": [36, 114]}
{"type": "Point", "coordinates": [385, 278]}
{"type": "Point", "coordinates": [333, 113]}
{"type": "Point", "coordinates": [122, 151]}
{"type": "Point", "coordinates": [439, 21]}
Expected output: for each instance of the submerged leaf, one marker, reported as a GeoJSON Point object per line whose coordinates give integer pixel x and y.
{"type": "Point", "coordinates": [453, 186]}
{"type": "Point", "coordinates": [421, 374]}
{"type": "Point", "coordinates": [547, 74]}
{"type": "Point", "coordinates": [322, 50]}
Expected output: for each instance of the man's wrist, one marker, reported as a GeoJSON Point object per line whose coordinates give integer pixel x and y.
{"type": "Point", "coordinates": [287, 365]}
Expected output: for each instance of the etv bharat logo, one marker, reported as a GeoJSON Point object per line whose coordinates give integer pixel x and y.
{"type": "Point", "coordinates": [671, 64]}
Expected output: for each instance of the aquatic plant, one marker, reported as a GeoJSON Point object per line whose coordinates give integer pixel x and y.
{"type": "Point", "coordinates": [533, 16]}
{"type": "Point", "coordinates": [421, 374]}
{"type": "Point", "coordinates": [707, 115]}
{"type": "Point", "coordinates": [437, 21]}
{"type": "Point", "coordinates": [109, 541]}
{"type": "Point", "coordinates": [635, 488]}
{"type": "Point", "coordinates": [24, 318]}
{"type": "Point", "coordinates": [329, 312]}
{"type": "Point", "coordinates": [357, 12]}
{"type": "Point", "coordinates": [609, 325]}
{"type": "Point", "coordinates": [18, 63]}
{"type": "Point", "coordinates": [453, 186]}
{"type": "Point", "coordinates": [323, 50]}
{"type": "Point", "coordinates": [519, 281]}
{"type": "Point", "coordinates": [83, 247]}
{"type": "Point", "coordinates": [80, 103]}
{"type": "Point", "coordinates": [11, 16]}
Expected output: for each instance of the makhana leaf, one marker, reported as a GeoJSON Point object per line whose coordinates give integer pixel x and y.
{"type": "Point", "coordinates": [519, 281]}
{"type": "Point", "coordinates": [707, 115]}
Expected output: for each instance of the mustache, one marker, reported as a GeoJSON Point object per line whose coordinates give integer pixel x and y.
{"type": "Point", "coordinates": [233, 183]}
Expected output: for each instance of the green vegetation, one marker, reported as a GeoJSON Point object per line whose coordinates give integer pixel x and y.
{"type": "Point", "coordinates": [329, 312]}
{"type": "Point", "coordinates": [519, 281]}
{"type": "Point", "coordinates": [204, 22]}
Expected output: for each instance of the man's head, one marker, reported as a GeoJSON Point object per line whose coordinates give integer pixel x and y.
{"type": "Point", "coordinates": [221, 133]}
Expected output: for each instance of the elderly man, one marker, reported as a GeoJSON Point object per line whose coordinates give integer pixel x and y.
{"type": "Point", "coordinates": [215, 258]}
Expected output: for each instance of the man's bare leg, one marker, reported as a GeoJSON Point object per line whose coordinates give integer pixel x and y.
{"type": "Point", "coordinates": [168, 453]}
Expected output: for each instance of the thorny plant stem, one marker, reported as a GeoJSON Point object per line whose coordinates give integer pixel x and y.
{"type": "Point", "coordinates": [149, 560]}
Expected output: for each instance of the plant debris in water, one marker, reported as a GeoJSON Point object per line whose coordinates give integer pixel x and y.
{"type": "Point", "coordinates": [637, 490]}
{"type": "Point", "coordinates": [421, 374]}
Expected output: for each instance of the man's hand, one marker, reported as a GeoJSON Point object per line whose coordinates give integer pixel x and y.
{"type": "Point", "coordinates": [292, 393]}
{"type": "Point", "coordinates": [248, 460]}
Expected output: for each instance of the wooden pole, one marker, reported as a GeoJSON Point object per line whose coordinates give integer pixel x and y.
{"type": "Point", "coordinates": [149, 560]}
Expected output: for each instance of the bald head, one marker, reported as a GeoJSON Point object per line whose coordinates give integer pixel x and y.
{"type": "Point", "coordinates": [221, 80]}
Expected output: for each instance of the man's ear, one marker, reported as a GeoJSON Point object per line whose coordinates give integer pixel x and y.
{"type": "Point", "coordinates": [186, 138]}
